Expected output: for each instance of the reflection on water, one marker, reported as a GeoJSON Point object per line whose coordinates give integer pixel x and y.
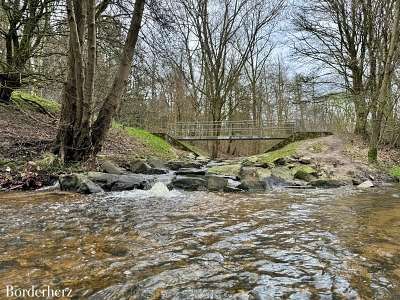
{"type": "Point", "coordinates": [336, 244]}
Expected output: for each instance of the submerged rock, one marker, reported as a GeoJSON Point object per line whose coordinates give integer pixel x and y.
{"type": "Point", "coordinates": [217, 183]}
{"type": "Point", "coordinates": [328, 183]}
{"type": "Point", "coordinates": [189, 183]}
{"type": "Point", "coordinates": [78, 183]}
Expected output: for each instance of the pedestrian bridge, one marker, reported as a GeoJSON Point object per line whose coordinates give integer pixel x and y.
{"type": "Point", "coordinates": [230, 130]}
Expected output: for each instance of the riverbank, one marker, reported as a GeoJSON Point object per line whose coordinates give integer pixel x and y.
{"type": "Point", "coordinates": [27, 131]}
{"type": "Point", "coordinates": [316, 163]}
{"type": "Point", "coordinates": [134, 158]}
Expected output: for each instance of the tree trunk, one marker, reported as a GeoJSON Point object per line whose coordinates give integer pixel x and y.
{"type": "Point", "coordinates": [384, 91]}
{"type": "Point", "coordinates": [77, 138]}
{"type": "Point", "coordinates": [110, 105]}
{"type": "Point", "coordinates": [361, 119]}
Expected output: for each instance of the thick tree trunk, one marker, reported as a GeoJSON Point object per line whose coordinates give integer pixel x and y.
{"type": "Point", "coordinates": [110, 105]}
{"type": "Point", "coordinates": [77, 138]}
{"type": "Point", "coordinates": [361, 120]}
{"type": "Point", "coordinates": [384, 91]}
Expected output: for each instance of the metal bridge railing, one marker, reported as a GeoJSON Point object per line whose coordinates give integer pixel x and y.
{"type": "Point", "coordinates": [231, 128]}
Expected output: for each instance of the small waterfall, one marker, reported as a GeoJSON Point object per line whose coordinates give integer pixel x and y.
{"type": "Point", "coordinates": [159, 189]}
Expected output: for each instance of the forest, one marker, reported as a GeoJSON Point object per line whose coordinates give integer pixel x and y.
{"type": "Point", "coordinates": [324, 64]}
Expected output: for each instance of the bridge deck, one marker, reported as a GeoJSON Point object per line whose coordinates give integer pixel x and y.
{"type": "Point", "coordinates": [227, 138]}
{"type": "Point", "coordinates": [233, 130]}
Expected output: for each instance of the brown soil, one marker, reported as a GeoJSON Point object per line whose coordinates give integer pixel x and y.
{"type": "Point", "coordinates": [346, 155]}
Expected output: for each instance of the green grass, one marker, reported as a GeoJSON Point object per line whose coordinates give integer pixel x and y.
{"type": "Point", "coordinates": [195, 149]}
{"type": "Point", "coordinates": [50, 105]}
{"type": "Point", "coordinates": [156, 144]}
{"type": "Point", "coordinates": [272, 156]}
{"type": "Point", "coordinates": [226, 170]}
{"type": "Point", "coordinates": [395, 171]}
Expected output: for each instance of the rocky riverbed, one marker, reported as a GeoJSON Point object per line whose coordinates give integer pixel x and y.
{"type": "Point", "coordinates": [318, 163]}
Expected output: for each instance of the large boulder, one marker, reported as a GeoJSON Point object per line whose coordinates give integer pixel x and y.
{"type": "Point", "coordinates": [189, 183]}
{"type": "Point", "coordinates": [217, 183]}
{"type": "Point", "coordinates": [78, 183]}
{"type": "Point", "coordinates": [253, 179]}
{"type": "Point", "coordinates": [303, 175]}
{"type": "Point", "coordinates": [111, 182]}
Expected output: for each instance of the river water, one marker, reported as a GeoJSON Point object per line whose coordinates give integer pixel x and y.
{"type": "Point", "coordinates": [293, 244]}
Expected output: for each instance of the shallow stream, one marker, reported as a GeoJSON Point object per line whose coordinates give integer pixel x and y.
{"type": "Point", "coordinates": [293, 244]}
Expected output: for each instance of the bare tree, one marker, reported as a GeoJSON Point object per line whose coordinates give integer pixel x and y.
{"type": "Point", "coordinates": [385, 52]}
{"type": "Point", "coordinates": [28, 23]}
{"type": "Point", "coordinates": [334, 32]}
{"type": "Point", "coordinates": [78, 138]}
{"type": "Point", "coordinates": [217, 28]}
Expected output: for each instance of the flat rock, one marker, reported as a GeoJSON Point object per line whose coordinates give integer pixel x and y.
{"type": "Point", "coordinates": [189, 183]}
{"type": "Point", "coordinates": [191, 172]}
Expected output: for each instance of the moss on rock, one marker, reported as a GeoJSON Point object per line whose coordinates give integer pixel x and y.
{"type": "Point", "coordinates": [270, 157]}
{"type": "Point", "coordinates": [226, 170]}
{"type": "Point", "coordinates": [305, 169]}
{"type": "Point", "coordinates": [395, 172]}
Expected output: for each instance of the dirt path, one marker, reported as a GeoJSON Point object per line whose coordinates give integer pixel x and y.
{"type": "Point", "coordinates": [330, 154]}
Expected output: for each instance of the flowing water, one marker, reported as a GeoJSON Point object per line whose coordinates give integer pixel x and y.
{"type": "Point", "coordinates": [318, 244]}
